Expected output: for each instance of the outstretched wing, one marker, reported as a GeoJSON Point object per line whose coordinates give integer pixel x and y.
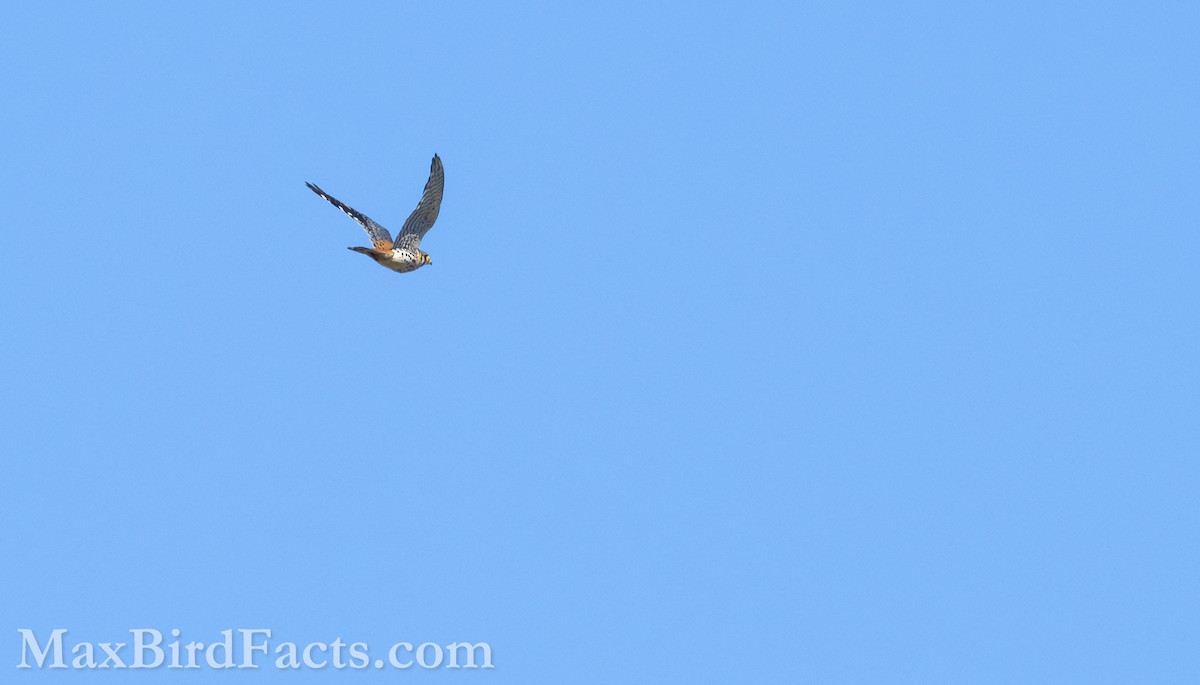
{"type": "Point", "coordinates": [422, 218]}
{"type": "Point", "coordinates": [380, 238]}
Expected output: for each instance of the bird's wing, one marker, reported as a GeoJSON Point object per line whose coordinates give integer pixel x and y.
{"type": "Point", "coordinates": [422, 218]}
{"type": "Point", "coordinates": [380, 238]}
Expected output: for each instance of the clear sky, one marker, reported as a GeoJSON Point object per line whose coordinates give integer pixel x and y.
{"type": "Point", "coordinates": [821, 342]}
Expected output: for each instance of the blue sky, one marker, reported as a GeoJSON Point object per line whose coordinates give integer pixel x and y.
{"type": "Point", "coordinates": [764, 342]}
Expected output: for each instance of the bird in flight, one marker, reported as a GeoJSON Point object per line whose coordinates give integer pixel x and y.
{"type": "Point", "coordinates": [404, 254]}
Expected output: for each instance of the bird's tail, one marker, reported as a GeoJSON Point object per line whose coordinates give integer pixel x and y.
{"type": "Point", "coordinates": [364, 250]}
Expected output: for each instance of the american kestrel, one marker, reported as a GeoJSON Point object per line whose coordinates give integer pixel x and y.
{"type": "Point", "coordinates": [405, 253]}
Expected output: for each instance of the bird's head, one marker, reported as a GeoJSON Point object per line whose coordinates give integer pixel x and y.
{"type": "Point", "coordinates": [425, 258]}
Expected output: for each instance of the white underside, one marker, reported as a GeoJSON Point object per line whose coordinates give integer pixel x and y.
{"type": "Point", "coordinates": [403, 261]}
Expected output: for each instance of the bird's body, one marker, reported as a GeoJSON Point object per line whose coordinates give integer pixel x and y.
{"type": "Point", "coordinates": [404, 254]}
{"type": "Point", "coordinates": [398, 260]}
